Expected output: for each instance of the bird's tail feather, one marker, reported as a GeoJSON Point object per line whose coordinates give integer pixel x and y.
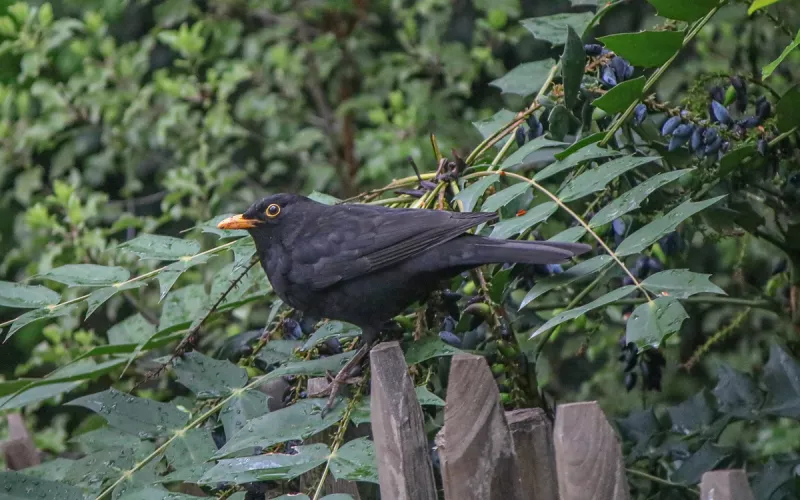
{"type": "Point", "coordinates": [494, 251]}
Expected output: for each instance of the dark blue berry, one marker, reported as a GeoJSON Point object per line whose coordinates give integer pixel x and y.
{"type": "Point", "coordinates": [717, 94]}
{"type": "Point", "coordinates": [448, 324]}
{"type": "Point", "coordinates": [618, 225]}
{"type": "Point", "coordinates": [654, 265]}
{"type": "Point", "coordinates": [749, 122]}
{"type": "Point", "coordinates": [670, 125]}
{"type": "Point", "coordinates": [519, 136]}
{"type": "Point", "coordinates": [683, 130]}
{"type": "Point", "coordinates": [741, 93]}
{"type": "Point", "coordinates": [622, 68]}
{"type": "Point", "coordinates": [676, 143]}
{"type": "Point", "coordinates": [639, 114]}
{"type": "Point", "coordinates": [720, 114]}
{"type": "Point", "coordinates": [608, 76]}
{"type": "Point", "coordinates": [593, 49]}
{"type": "Point", "coordinates": [763, 108]}
{"type": "Point", "coordinates": [630, 381]}
{"type": "Point", "coordinates": [710, 135]}
{"type": "Point", "coordinates": [450, 338]}
{"type": "Point", "coordinates": [333, 345]}
{"type": "Point", "coordinates": [713, 147]}
{"type": "Point", "coordinates": [762, 146]}
{"type": "Point", "coordinates": [554, 268]}
{"type": "Point", "coordinates": [780, 267]}
{"type": "Point", "coordinates": [291, 329]}
{"type": "Point", "coordinates": [697, 138]}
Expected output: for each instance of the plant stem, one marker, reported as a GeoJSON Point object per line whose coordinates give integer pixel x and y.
{"type": "Point", "coordinates": [764, 304]}
{"type": "Point", "coordinates": [659, 480]}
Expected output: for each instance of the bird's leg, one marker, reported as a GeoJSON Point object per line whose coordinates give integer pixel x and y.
{"type": "Point", "coordinates": [342, 377]}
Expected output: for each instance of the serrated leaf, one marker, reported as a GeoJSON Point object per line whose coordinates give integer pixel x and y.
{"type": "Point", "coordinates": [182, 305]}
{"type": "Point", "coordinates": [26, 296]}
{"type": "Point", "coordinates": [52, 470]}
{"type": "Point", "coordinates": [87, 275]}
{"type": "Point", "coordinates": [707, 458]}
{"type": "Point", "coordinates": [553, 28]}
{"type": "Point", "coordinates": [771, 67]}
{"type": "Point", "coordinates": [208, 377]}
{"type": "Point", "coordinates": [650, 233]}
{"type": "Point", "coordinates": [574, 273]}
{"type": "Point", "coordinates": [242, 407]}
{"type": "Point", "coordinates": [104, 438]}
{"type": "Point", "coordinates": [355, 461]}
{"type": "Point", "coordinates": [559, 122]}
{"type": "Point", "coordinates": [525, 79]}
{"type": "Point", "coordinates": [313, 367]}
{"type": "Point", "coordinates": [759, 4]}
{"type": "Point", "coordinates": [621, 96]}
{"type": "Point", "coordinates": [338, 329]}
{"type": "Point", "coordinates": [19, 486]}
{"type": "Point", "coordinates": [734, 158]}
{"type": "Point", "coordinates": [680, 284]}
{"type": "Point", "coordinates": [652, 322]}
{"type": "Point", "coordinates": [518, 157]}
{"type": "Point", "coordinates": [427, 348]}
{"type": "Point", "coordinates": [737, 394]}
{"type": "Point", "coordinates": [159, 247]}
{"type": "Point", "coordinates": [299, 421]}
{"type": "Point", "coordinates": [210, 226]}
{"type": "Point", "coordinates": [692, 415]}
{"type": "Point", "coordinates": [773, 476]}
{"type": "Point", "coordinates": [172, 272]}
{"type": "Point", "coordinates": [632, 199]}
{"type": "Point", "coordinates": [427, 398]}
{"type": "Point", "coordinates": [132, 330]}
{"type": "Point", "coordinates": [142, 417]}
{"type": "Point", "coordinates": [518, 225]}
{"type": "Point", "coordinates": [683, 10]}
{"type": "Point", "coordinates": [323, 198]}
{"type": "Point", "coordinates": [100, 296]}
{"type": "Point", "coordinates": [194, 446]}
{"type": "Point", "coordinates": [268, 467]}
{"type": "Point", "coordinates": [596, 179]}
{"type": "Point", "coordinates": [590, 152]}
{"type": "Point", "coordinates": [573, 62]}
{"type": "Point", "coordinates": [565, 316]}
{"type": "Point", "coordinates": [495, 123]}
{"type": "Point", "coordinates": [646, 49]}
{"type": "Point", "coordinates": [582, 143]}
{"type": "Point", "coordinates": [29, 317]}
{"type": "Point", "coordinates": [782, 380]}
{"type": "Point", "coordinates": [278, 351]}
{"type": "Point", "coordinates": [504, 197]}
{"type": "Point", "coordinates": [786, 110]}
{"type": "Point", "coordinates": [471, 194]}
{"type": "Point", "coordinates": [570, 235]}
{"type": "Point", "coordinates": [243, 250]}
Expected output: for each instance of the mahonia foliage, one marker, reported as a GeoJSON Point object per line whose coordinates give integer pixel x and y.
{"type": "Point", "coordinates": [126, 142]}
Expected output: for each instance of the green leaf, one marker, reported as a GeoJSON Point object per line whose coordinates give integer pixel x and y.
{"type": "Point", "coordinates": [596, 179]}
{"type": "Point", "coordinates": [297, 422]}
{"type": "Point", "coordinates": [565, 316]}
{"type": "Point", "coordinates": [683, 10]}
{"type": "Point", "coordinates": [242, 407]}
{"type": "Point", "coordinates": [693, 415]}
{"type": "Point", "coordinates": [182, 305]}
{"type": "Point", "coordinates": [427, 398]}
{"type": "Point", "coordinates": [786, 110]}
{"type": "Point", "coordinates": [314, 367]}
{"type": "Point", "coordinates": [189, 474]}
{"type": "Point", "coordinates": [505, 196]}
{"type": "Point", "coordinates": [48, 312]}
{"type": "Point", "coordinates": [142, 417]}
{"type": "Point", "coordinates": [680, 284]}
{"type": "Point", "coordinates": [650, 233]}
{"type": "Point", "coordinates": [707, 458]}
{"type": "Point", "coordinates": [338, 329]}
{"type": "Point", "coordinates": [782, 380]}
{"type": "Point", "coordinates": [559, 122]}
{"type": "Point", "coordinates": [518, 157]}
{"type": "Point", "coordinates": [427, 348]}
{"type": "Point", "coordinates": [771, 67]}
{"type": "Point", "coordinates": [471, 194]}
{"type": "Point", "coordinates": [621, 96]}
{"type": "Point", "coordinates": [355, 461]}
{"type": "Point", "coordinates": [323, 198]}
{"type": "Point", "coordinates": [87, 275]}
{"type": "Point", "coordinates": [100, 296]}
{"type": "Point", "coordinates": [631, 200]}
{"type": "Point", "coordinates": [518, 225]}
{"type": "Point", "coordinates": [553, 28]}
{"type": "Point", "coordinates": [495, 123]}
{"type": "Point", "coordinates": [590, 152]}
{"type": "Point", "coordinates": [153, 493]}
{"type": "Point", "coordinates": [573, 62]}
{"type": "Point", "coordinates": [132, 330]}
{"type": "Point", "coordinates": [35, 395]}
{"type": "Point", "coordinates": [210, 226]}
{"type": "Point", "coordinates": [268, 467]}
{"type": "Point", "coordinates": [26, 296]}
{"type": "Point", "coordinates": [652, 322]}
{"type": "Point", "coordinates": [194, 446]}
{"type": "Point", "coordinates": [773, 476]}
{"type": "Point", "coordinates": [208, 377]}
{"type": "Point", "coordinates": [646, 49]}
{"type": "Point", "coordinates": [591, 139]}
{"type": "Point", "coordinates": [158, 247]}
{"type": "Point", "coordinates": [737, 394]}
{"type": "Point", "coordinates": [570, 235]}
{"type": "Point", "coordinates": [172, 272]}
{"type": "Point", "coordinates": [104, 438]}
{"type": "Point", "coordinates": [734, 158]}
{"type": "Point", "coordinates": [52, 470]}
{"type": "Point", "coordinates": [574, 273]}
{"type": "Point", "coordinates": [760, 4]}
{"type": "Point", "coordinates": [278, 351]}
{"type": "Point", "coordinates": [525, 79]}
{"type": "Point", "coordinates": [19, 486]}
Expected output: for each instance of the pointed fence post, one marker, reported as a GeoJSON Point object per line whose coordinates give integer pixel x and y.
{"type": "Point", "coordinates": [725, 485]}
{"type": "Point", "coordinates": [532, 432]}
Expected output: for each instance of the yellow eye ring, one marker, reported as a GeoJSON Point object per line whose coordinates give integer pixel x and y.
{"type": "Point", "coordinates": [273, 211]}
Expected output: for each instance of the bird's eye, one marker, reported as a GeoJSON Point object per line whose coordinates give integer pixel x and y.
{"type": "Point", "coordinates": [273, 210]}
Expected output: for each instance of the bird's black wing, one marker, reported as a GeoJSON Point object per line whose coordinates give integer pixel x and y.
{"type": "Point", "coordinates": [348, 241]}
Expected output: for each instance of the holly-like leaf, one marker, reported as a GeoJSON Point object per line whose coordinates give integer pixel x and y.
{"type": "Point", "coordinates": [337, 329]}
{"type": "Point", "coordinates": [132, 330]}
{"type": "Point", "coordinates": [680, 284]}
{"type": "Point", "coordinates": [142, 417]}
{"type": "Point", "coordinates": [182, 305]}
{"type": "Point", "coordinates": [565, 316]}
{"type": "Point", "coordinates": [470, 195]}
{"type": "Point", "coordinates": [596, 179]}
{"type": "Point", "coordinates": [771, 67]}
{"type": "Point", "coordinates": [573, 62]}
{"type": "Point", "coordinates": [707, 458]}
{"type": "Point", "coordinates": [87, 275]}
{"type": "Point", "coordinates": [170, 275]}
{"type": "Point", "coordinates": [159, 247]}
{"type": "Point", "coordinates": [525, 79]}
{"type": "Point", "coordinates": [576, 272]}
{"type": "Point", "coordinates": [427, 348]}
{"type": "Point", "coordinates": [100, 296]}
{"type": "Point", "coordinates": [693, 415]}
{"type": "Point", "coordinates": [553, 28]}
{"type": "Point", "coordinates": [737, 394]}
{"type": "Point", "coordinates": [194, 446]}
{"type": "Point", "coordinates": [355, 461]}
{"type": "Point", "coordinates": [782, 380]}
{"type": "Point", "coordinates": [652, 322]}
{"type": "Point", "coordinates": [650, 233]}
{"type": "Point", "coordinates": [242, 407]}
{"type": "Point", "coordinates": [26, 296]}
{"type": "Point", "coordinates": [646, 49]}
{"type": "Point", "coordinates": [518, 225]}
{"type": "Point", "coordinates": [631, 200]}
{"type": "Point", "coordinates": [495, 123]}
{"type": "Point", "coordinates": [19, 486]}
{"type": "Point", "coordinates": [268, 467]}
{"type": "Point", "coordinates": [683, 10]}
{"type": "Point", "coordinates": [590, 152]}
{"type": "Point", "coordinates": [504, 197]}
{"type": "Point", "coordinates": [621, 96]}
{"type": "Point", "coordinates": [208, 377]}
{"type": "Point", "coordinates": [519, 156]}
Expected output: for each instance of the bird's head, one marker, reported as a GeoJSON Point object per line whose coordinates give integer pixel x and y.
{"type": "Point", "coordinates": [268, 215]}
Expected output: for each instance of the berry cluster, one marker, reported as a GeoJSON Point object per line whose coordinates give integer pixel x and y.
{"type": "Point", "coordinates": [650, 362]}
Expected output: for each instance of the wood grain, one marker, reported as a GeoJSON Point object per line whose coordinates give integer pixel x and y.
{"type": "Point", "coordinates": [532, 433]}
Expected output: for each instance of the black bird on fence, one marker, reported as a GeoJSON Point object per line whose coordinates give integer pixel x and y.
{"type": "Point", "coordinates": [364, 264]}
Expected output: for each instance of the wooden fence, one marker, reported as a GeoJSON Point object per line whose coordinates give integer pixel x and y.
{"type": "Point", "coordinates": [486, 453]}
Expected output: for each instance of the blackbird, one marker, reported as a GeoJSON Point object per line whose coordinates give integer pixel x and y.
{"type": "Point", "coordinates": [364, 264]}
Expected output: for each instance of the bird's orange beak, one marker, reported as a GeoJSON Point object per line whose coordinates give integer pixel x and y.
{"type": "Point", "coordinates": [238, 222]}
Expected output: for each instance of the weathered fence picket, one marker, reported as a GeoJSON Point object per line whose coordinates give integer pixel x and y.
{"type": "Point", "coordinates": [725, 485]}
